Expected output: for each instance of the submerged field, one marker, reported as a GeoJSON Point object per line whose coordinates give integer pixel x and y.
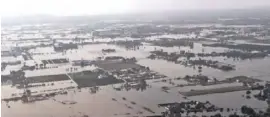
{"type": "Point", "coordinates": [123, 81]}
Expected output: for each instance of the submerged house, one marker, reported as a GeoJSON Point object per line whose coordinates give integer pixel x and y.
{"type": "Point", "coordinates": [114, 58]}
{"type": "Point", "coordinates": [63, 46]}
{"type": "Point", "coordinates": [108, 50]}
{"type": "Point", "coordinates": [82, 62]}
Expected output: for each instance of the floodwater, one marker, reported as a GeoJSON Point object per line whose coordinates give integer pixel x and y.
{"type": "Point", "coordinates": [257, 68]}
{"type": "Point", "coordinates": [94, 104]}
{"type": "Point", "coordinates": [101, 103]}
{"type": "Point", "coordinates": [232, 100]}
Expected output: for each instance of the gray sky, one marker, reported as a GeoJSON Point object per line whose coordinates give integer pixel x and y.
{"type": "Point", "coordinates": [90, 7]}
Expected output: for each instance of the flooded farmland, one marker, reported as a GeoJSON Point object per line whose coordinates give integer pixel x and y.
{"type": "Point", "coordinates": [150, 70]}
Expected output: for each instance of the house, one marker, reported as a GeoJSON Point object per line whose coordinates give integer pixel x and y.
{"type": "Point", "coordinates": [81, 62]}
{"type": "Point", "coordinates": [63, 46]}
{"type": "Point", "coordinates": [114, 58]}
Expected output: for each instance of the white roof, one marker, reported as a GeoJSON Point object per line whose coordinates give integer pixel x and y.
{"type": "Point", "coordinates": [38, 61]}
{"type": "Point", "coordinates": [30, 63]}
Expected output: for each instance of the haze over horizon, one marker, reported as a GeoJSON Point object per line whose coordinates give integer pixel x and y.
{"type": "Point", "coordinates": [10, 8]}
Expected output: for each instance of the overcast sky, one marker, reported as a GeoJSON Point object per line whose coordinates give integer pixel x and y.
{"type": "Point", "coordinates": [90, 7]}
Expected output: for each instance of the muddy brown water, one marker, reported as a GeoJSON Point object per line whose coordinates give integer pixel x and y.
{"type": "Point", "coordinates": [96, 104]}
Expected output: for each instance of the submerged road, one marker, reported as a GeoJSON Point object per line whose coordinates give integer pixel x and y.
{"type": "Point", "coordinates": [68, 76]}
{"type": "Point", "coordinates": [71, 78]}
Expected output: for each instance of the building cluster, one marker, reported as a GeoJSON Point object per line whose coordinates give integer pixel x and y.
{"type": "Point", "coordinates": [264, 94]}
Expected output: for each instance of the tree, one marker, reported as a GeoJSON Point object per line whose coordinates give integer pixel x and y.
{"type": "Point", "coordinates": [234, 115]}
{"type": "Point", "coordinates": [217, 115]}
{"type": "Point", "coordinates": [248, 111]}
{"type": "Point", "coordinates": [248, 92]}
